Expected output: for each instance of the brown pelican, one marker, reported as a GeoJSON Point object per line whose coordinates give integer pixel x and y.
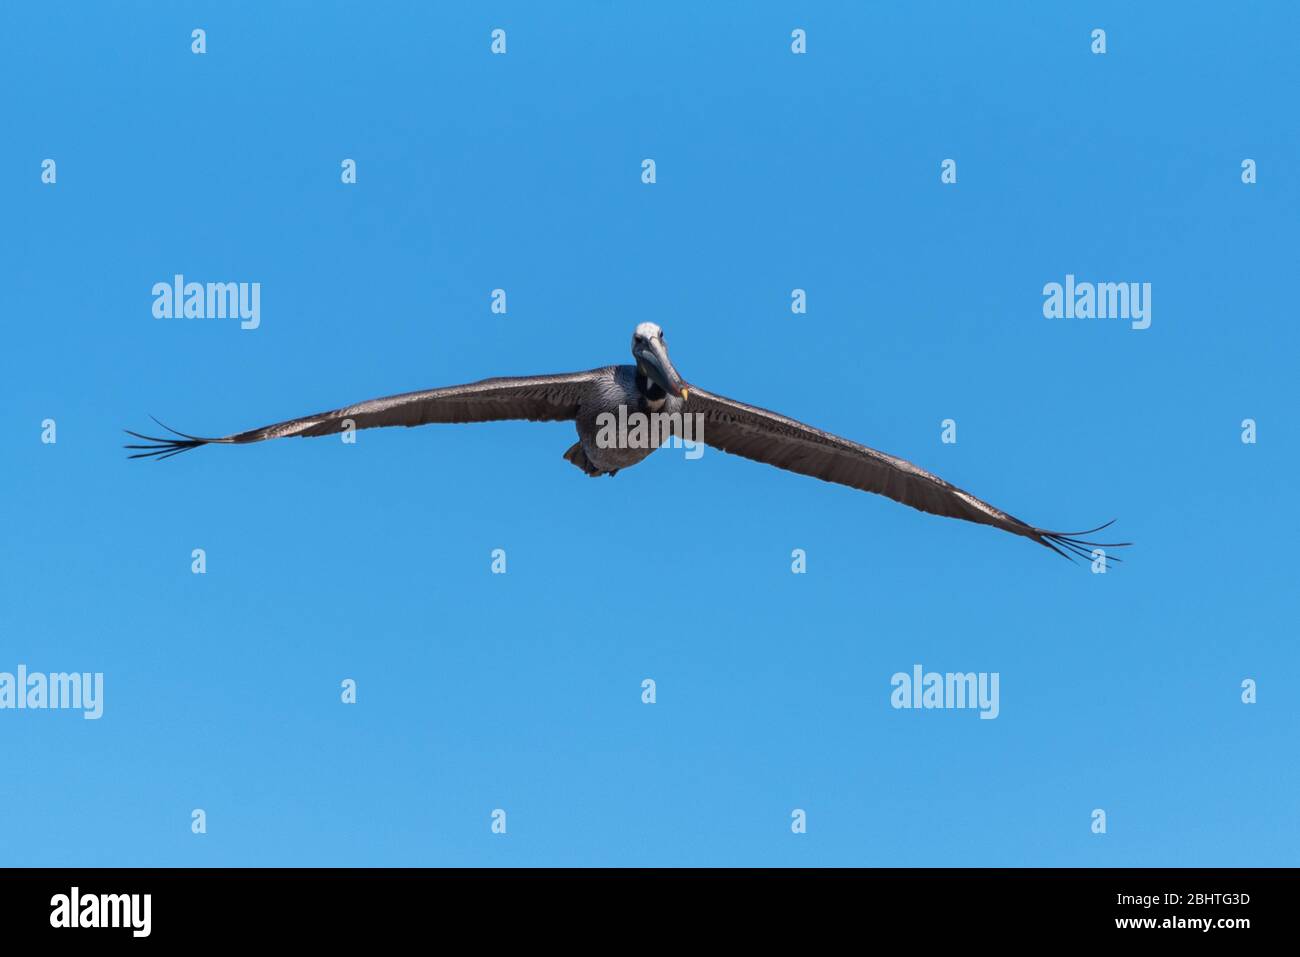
{"type": "Point", "coordinates": [598, 399]}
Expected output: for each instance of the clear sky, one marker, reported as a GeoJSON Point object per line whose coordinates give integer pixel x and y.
{"type": "Point", "coordinates": [523, 691]}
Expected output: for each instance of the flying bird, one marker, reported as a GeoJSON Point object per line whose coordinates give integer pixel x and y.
{"type": "Point", "coordinates": [651, 386]}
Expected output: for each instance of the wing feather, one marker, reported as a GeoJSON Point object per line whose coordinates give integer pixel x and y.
{"type": "Point", "coordinates": [536, 398]}
{"type": "Point", "coordinates": [774, 439]}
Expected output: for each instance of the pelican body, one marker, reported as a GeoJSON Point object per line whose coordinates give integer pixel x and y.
{"type": "Point", "coordinates": [651, 388]}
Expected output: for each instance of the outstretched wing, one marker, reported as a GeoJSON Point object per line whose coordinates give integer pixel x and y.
{"type": "Point", "coordinates": [774, 439]}
{"type": "Point", "coordinates": [538, 398]}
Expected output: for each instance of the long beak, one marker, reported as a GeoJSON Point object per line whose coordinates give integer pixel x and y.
{"type": "Point", "coordinates": [656, 364]}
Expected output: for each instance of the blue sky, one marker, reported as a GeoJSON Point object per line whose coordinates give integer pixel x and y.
{"type": "Point", "coordinates": [523, 691]}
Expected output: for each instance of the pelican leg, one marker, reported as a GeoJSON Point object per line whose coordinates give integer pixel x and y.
{"type": "Point", "coordinates": [578, 457]}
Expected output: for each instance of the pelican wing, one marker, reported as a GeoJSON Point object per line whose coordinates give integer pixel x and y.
{"type": "Point", "coordinates": [774, 439]}
{"type": "Point", "coordinates": [538, 398]}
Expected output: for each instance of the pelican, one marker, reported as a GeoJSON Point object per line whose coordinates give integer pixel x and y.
{"type": "Point", "coordinates": [651, 386]}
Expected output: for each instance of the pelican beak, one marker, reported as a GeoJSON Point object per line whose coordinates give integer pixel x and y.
{"type": "Point", "coordinates": [654, 361]}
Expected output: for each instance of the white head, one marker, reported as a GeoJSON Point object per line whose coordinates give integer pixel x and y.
{"type": "Point", "coordinates": [651, 354]}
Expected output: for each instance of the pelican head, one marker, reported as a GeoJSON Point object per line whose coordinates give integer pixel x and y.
{"type": "Point", "coordinates": [651, 354]}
